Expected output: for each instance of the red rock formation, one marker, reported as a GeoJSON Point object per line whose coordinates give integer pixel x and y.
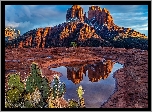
{"type": "Point", "coordinates": [37, 38]}
{"type": "Point", "coordinates": [87, 32]}
{"type": "Point", "coordinates": [102, 15]}
{"type": "Point", "coordinates": [75, 11]}
{"type": "Point", "coordinates": [47, 30]}
{"type": "Point", "coordinates": [28, 42]}
{"type": "Point", "coordinates": [65, 32]}
{"type": "Point", "coordinates": [20, 44]}
{"type": "Point", "coordinates": [93, 11]}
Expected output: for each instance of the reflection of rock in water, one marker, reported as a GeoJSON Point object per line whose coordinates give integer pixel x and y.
{"type": "Point", "coordinates": [75, 74]}
{"type": "Point", "coordinates": [100, 70]}
{"type": "Point", "coordinates": [96, 71]}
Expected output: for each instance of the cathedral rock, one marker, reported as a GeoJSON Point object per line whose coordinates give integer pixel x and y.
{"type": "Point", "coordinates": [98, 29]}
{"type": "Point", "coordinates": [75, 11]}
{"type": "Point", "coordinates": [101, 15]}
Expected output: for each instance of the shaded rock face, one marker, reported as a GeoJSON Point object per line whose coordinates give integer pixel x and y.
{"type": "Point", "coordinates": [98, 29]}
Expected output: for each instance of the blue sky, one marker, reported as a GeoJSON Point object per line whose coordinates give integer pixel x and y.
{"type": "Point", "coordinates": [28, 17]}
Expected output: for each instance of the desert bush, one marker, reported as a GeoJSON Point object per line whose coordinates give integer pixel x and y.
{"type": "Point", "coordinates": [38, 92]}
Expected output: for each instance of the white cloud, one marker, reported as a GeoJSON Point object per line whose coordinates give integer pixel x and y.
{"type": "Point", "coordinates": [129, 14]}
{"type": "Point", "coordinates": [32, 5]}
{"type": "Point", "coordinates": [11, 24]}
{"type": "Point", "coordinates": [139, 27]}
{"type": "Point", "coordinates": [143, 28]}
{"type": "Point", "coordinates": [135, 18]}
{"type": "Point", "coordinates": [15, 24]}
{"type": "Point", "coordinates": [146, 24]}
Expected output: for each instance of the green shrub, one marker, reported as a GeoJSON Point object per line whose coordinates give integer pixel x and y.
{"type": "Point", "coordinates": [36, 92]}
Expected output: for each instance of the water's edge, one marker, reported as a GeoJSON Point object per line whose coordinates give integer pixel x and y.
{"type": "Point", "coordinates": [116, 87]}
{"type": "Point", "coordinates": [115, 82]}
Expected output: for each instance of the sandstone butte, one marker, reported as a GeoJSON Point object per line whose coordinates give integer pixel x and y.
{"type": "Point", "coordinates": [62, 33]}
{"type": "Point", "coordinates": [132, 79]}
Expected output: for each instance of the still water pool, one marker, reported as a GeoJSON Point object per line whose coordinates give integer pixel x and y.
{"type": "Point", "coordinates": [96, 79]}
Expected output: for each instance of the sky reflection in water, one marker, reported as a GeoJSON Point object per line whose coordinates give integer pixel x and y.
{"type": "Point", "coordinates": [96, 93]}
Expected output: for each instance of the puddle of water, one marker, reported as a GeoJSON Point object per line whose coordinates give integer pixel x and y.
{"type": "Point", "coordinates": [12, 70]}
{"type": "Point", "coordinates": [12, 60]}
{"type": "Point", "coordinates": [48, 57]}
{"type": "Point", "coordinates": [30, 59]}
{"type": "Point", "coordinates": [96, 79]}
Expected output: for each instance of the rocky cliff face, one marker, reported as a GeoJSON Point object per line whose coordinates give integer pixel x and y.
{"type": "Point", "coordinates": [11, 33]}
{"type": "Point", "coordinates": [98, 29]}
{"type": "Point", "coordinates": [82, 30]}
{"type": "Point", "coordinates": [102, 16]}
{"type": "Point", "coordinates": [75, 12]}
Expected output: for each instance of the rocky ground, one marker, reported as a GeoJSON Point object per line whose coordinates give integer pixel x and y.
{"type": "Point", "coordinates": [132, 79]}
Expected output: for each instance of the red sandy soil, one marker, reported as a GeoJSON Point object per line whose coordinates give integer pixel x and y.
{"type": "Point", "coordinates": [132, 79]}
